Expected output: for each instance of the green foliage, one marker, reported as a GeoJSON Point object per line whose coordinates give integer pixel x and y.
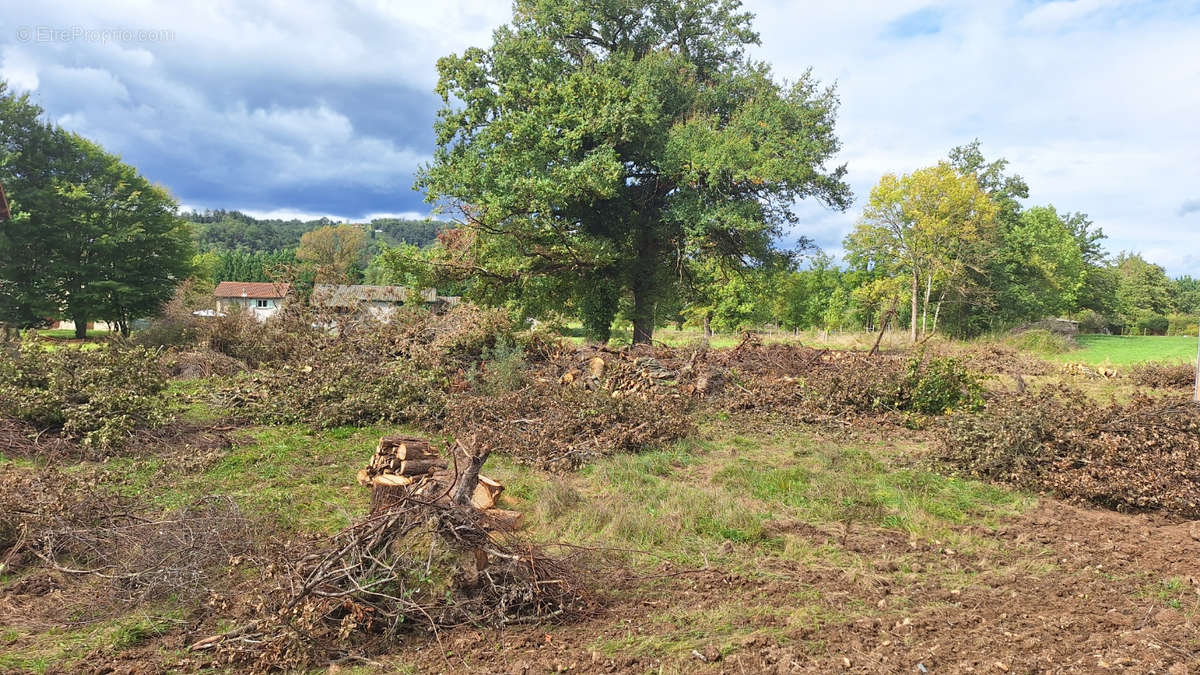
{"type": "Point", "coordinates": [1092, 322]}
{"type": "Point", "coordinates": [1185, 295]}
{"type": "Point", "coordinates": [930, 386]}
{"type": "Point", "coordinates": [933, 228]}
{"type": "Point", "coordinates": [598, 300]}
{"type": "Point", "coordinates": [222, 230]}
{"type": "Point", "coordinates": [1041, 341]}
{"type": "Point", "coordinates": [93, 240]}
{"type": "Point", "coordinates": [1152, 324]}
{"type": "Point", "coordinates": [939, 385]}
{"type": "Point", "coordinates": [628, 141]}
{"type": "Point", "coordinates": [503, 367]}
{"type": "Point", "coordinates": [99, 396]}
{"type": "Point", "coordinates": [258, 266]}
{"type": "Point", "coordinates": [1143, 291]}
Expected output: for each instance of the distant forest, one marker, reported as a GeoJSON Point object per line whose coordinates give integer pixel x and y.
{"type": "Point", "coordinates": [221, 230]}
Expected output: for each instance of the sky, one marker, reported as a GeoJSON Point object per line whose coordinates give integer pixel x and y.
{"type": "Point", "coordinates": [289, 109]}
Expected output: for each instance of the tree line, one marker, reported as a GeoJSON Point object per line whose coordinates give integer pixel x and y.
{"type": "Point", "coordinates": [602, 162]}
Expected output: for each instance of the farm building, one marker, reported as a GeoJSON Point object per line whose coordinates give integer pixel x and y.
{"type": "Point", "coordinates": [261, 300]}
{"type": "Point", "coordinates": [377, 302]}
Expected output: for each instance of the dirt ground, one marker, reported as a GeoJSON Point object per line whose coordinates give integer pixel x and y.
{"type": "Point", "coordinates": [1070, 590]}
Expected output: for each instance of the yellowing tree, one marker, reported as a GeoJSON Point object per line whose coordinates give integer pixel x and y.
{"type": "Point", "coordinates": [933, 227]}
{"type": "Point", "coordinates": [334, 250]}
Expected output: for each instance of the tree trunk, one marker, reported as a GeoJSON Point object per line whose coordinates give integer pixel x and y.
{"type": "Point", "coordinates": [708, 326]}
{"type": "Point", "coordinates": [643, 291]}
{"type": "Point", "coordinates": [80, 327]}
{"type": "Point", "coordinates": [925, 310]}
{"type": "Point", "coordinates": [916, 290]}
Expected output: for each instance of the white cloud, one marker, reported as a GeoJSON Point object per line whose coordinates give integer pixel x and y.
{"type": "Point", "coordinates": [266, 105]}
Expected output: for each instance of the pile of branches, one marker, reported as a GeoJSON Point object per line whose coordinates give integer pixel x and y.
{"type": "Point", "coordinates": [19, 438]}
{"type": "Point", "coordinates": [562, 427]}
{"type": "Point", "coordinates": [366, 372]}
{"type": "Point", "coordinates": [1140, 456]}
{"type": "Point", "coordinates": [815, 385]}
{"type": "Point", "coordinates": [991, 358]}
{"type": "Point", "coordinates": [1163, 375]}
{"type": "Point", "coordinates": [98, 397]}
{"type": "Point", "coordinates": [64, 523]}
{"type": "Point", "coordinates": [201, 362]}
{"type": "Point", "coordinates": [424, 560]}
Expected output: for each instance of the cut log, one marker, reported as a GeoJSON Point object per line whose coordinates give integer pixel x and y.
{"type": "Point", "coordinates": [486, 493]}
{"type": "Point", "coordinates": [404, 447]}
{"type": "Point", "coordinates": [502, 520]}
{"type": "Point", "coordinates": [391, 480]}
{"type": "Point", "coordinates": [417, 467]}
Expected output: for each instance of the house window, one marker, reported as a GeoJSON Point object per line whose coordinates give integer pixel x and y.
{"type": "Point", "coordinates": [261, 304]}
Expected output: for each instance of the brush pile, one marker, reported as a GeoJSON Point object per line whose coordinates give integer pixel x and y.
{"type": "Point", "coordinates": [425, 558]}
{"type": "Point", "coordinates": [64, 523]}
{"type": "Point", "coordinates": [1163, 375]}
{"type": "Point", "coordinates": [559, 427]}
{"type": "Point", "coordinates": [1140, 456]}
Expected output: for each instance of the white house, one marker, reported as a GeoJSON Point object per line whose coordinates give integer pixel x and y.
{"type": "Point", "coordinates": [260, 300]}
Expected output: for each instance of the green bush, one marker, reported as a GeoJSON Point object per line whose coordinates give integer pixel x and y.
{"type": "Point", "coordinates": [1153, 324]}
{"type": "Point", "coordinates": [99, 396]}
{"type": "Point", "coordinates": [923, 385]}
{"type": "Point", "coordinates": [1183, 324]}
{"type": "Point", "coordinates": [1041, 341]}
{"type": "Point", "coordinates": [940, 385]}
{"type": "Point", "coordinates": [1093, 322]}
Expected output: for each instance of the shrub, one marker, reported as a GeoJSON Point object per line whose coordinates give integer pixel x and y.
{"type": "Point", "coordinates": [1041, 341]}
{"type": "Point", "coordinates": [1153, 324]}
{"type": "Point", "coordinates": [871, 385]}
{"type": "Point", "coordinates": [1093, 322]}
{"type": "Point", "coordinates": [1183, 324]}
{"type": "Point", "coordinates": [99, 396]}
{"type": "Point", "coordinates": [939, 385]}
{"type": "Point", "coordinates": [503, 368]}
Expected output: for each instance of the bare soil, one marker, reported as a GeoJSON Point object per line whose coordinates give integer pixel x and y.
{"type": "Point", "coordinates": [1073, 589]}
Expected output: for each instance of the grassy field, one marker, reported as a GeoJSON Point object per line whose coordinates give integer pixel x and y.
{"type": "Point", "coordinates": [754, 542]}
{"type": "Point", "coordinates": [1121, 350]}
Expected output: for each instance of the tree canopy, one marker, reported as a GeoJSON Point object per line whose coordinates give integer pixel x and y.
{"type": "Point", "coordinates": [91, 239]}
{"type": "Point", "coordinates": [932, 227]}
{"type": "Point", "coordinates": [599, 150]}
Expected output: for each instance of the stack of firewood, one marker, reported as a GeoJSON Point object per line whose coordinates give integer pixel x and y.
{"type": "Point", "coordinates": [404, 467]}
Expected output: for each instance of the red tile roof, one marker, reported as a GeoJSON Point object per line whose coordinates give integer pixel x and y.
{"type": "Point", "coordinates": [250, 289]}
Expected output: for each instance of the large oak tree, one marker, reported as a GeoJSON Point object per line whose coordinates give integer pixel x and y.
{"type": "Point", "coordinates": [599, 150]}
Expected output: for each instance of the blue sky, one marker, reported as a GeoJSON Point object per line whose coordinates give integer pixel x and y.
{"type": "Point", "coordinates": [285, 109]}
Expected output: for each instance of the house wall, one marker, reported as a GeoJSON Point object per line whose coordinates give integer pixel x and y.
{"type": "Point", "coordinates": [250, 305]}
{"type": "Point", "coordinates": [92, 325]}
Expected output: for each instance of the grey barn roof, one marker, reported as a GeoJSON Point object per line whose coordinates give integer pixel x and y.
{"type": "Point", "coordinates": [340, 295]}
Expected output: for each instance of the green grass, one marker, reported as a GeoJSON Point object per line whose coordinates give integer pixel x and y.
{"type": "Point", "coordinates": [685, 502]}
{"type": "Point", "coordinates": [61, 650]}
{"type": "Point", "coordinates": [68, 334]}
{"type": "Point", "coordinates": [1122, 350]}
